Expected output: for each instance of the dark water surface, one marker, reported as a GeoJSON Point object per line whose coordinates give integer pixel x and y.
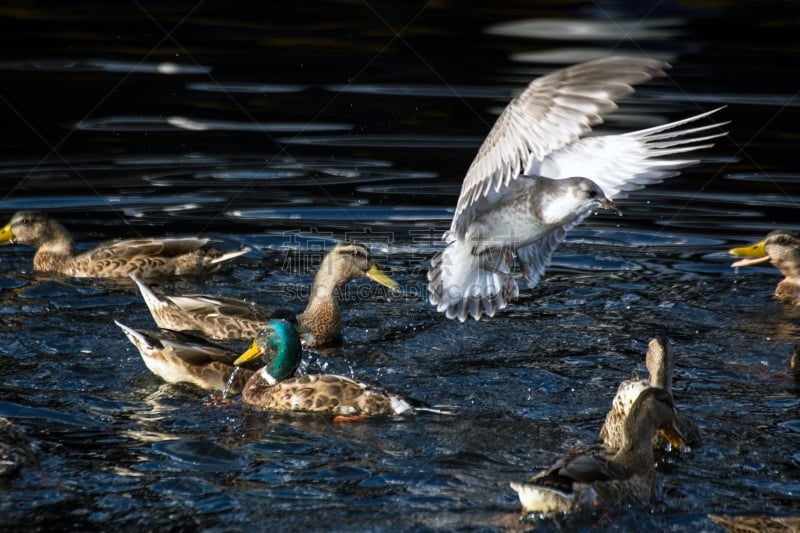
{"type": "Point", "coordinates": [291, 126]}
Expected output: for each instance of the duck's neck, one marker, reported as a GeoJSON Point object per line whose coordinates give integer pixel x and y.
{"type": "Point", "coordinates": [324, 318]}
{"type": "Point", "coordinates": [659, 365]}
{"type": "Point", "coordinates": [325, 282]}
{"type": "Point", "coordinates": [55, 248]}
{"type": "Point", "coordinates": [789, 265]}
{"type": "Point", "coordinates": [636, 449]}
{"type": "Point", "coordinates": [324, 295]}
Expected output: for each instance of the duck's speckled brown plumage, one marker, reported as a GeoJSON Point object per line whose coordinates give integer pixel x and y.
{"type": "Point", "coordinates": [146, 258]}
{"type": "Point", "coordinates": [782, 249]}
{"type": "Point", "coordinates": [180, 357]}
{"type": "Point", "coordinates": [757, 523]}
{"type": "Point", "coordinates": [660, 361]}
{"type": "Point", "coordinates": [228, 318]}
{"type": "Point", "coordinates": [274, 387]}
{"type": "Point", "coordinates": [327, 393]}
{"type": "Point", "coordinates": [580, 481]}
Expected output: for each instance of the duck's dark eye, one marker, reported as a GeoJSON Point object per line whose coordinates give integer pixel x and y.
{"type": "Point", "coordinates": [592, 193]}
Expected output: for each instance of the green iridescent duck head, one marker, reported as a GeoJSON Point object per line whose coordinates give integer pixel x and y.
{"type": "Point", "coordinates": [279, 344]}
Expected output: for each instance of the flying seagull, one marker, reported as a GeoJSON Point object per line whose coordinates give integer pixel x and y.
{"type": "Point", "coordinates": [536, 176]}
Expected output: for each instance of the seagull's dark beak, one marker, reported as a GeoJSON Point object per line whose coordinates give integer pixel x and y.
{"type": "Point", "coordinates": [605, 203]}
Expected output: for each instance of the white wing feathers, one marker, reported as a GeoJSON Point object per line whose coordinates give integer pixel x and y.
{"type": "Point", "coordinates": [628, 162]}
{"type": "Point", "coordinates": [539, 135]}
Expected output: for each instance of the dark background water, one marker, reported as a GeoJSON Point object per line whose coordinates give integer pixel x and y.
{"type": "Point", "coordinates": [289, 126]}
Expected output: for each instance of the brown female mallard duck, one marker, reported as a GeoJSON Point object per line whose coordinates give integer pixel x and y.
{"type": "Point", "coordinates": [180, 357]}
{"type": "Point", "coordinates": [273, 387]}
{"type": "Point", "coordinates": [580, 481]}
{"type": "Point", "coordinates": [659, 362]}
{"type": "Point", "coordinates": [227, 318]}
{"type": "Point", "coordinates": [782, 249]}
{"type": "Point", "coordinates": [146, 258]}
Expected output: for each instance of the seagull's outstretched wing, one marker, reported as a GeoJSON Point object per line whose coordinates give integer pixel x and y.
{"type": "Point", "coordinates": [553, 111]}
{"type": "Point", "coordinates": [630, 161]}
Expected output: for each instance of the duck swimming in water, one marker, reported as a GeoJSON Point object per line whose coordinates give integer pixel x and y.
{"type": "Point", "coordinates": [660, 361]}
{"type": "Point", "coordinates": [146, 258]}
{"type": "Point", "coordinates": [581, 481]}
{"type": "Point", "coordinates": [274, 387]}
{"type": "Point", "coordinates": [181, 357]}
{"type": "Point", "coordinates": [782, 249]}
{"type": "Point", "coordinates": [227, 318]}
{"type": "Point", "coordinates": [536, 176]}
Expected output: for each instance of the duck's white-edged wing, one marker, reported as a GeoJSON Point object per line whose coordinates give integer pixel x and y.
{"type": "Point", "coordinates": [628, 162]}
{"type": "Point", "coordinates": [554, 111]}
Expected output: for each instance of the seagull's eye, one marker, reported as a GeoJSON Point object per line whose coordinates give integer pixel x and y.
{"type": "Point", "coordinates": [592, 193]}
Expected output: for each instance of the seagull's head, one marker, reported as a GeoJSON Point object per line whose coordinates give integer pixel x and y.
{"type": "Point", "coordinates": [570, 198]}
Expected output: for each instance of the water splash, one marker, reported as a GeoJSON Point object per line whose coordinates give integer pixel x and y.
{"type": "Point", "coordinates": [230, 382]}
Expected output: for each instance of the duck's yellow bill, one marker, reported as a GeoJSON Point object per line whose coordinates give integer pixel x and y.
{"type": "Point", "coordinates": [673, 436]}
{"type": "Point", "coordinates": [254, 352]}
{"type": "Point", "coordinates": [6, 237]}
{"type": "Point", "coordinates": [376, 274]}
{"type": "Point", "coordinates": [756, 254]}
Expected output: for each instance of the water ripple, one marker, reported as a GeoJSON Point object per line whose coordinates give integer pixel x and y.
{"type": "Point", "coordinates": [154, 124]}
{"type": "Point", "coordinates": [354, 213]}
{"type": "Point", "coordinates": [618, 29]}
{"type": "Point", "coordinates": [433, 91]}
{"type": "Point", "coordinates": [245, 88]}
{"type": "Point", "coordinates": [58, 64]}
{"type": "Point", "coordinates": [201, 455]}
{"type": "Point", "coordinates": [389, 141]}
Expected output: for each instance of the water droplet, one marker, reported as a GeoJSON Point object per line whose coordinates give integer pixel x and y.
{"type": "Point", "coordinates": [230, 382]}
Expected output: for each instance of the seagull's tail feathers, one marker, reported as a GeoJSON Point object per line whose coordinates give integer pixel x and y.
{"type": "Point", "coordinates": [462, 284]}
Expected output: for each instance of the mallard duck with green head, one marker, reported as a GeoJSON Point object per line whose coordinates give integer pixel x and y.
{"type": "Point", "coordinates": [782, 249]}
{"type": "Point", "coordinates": [146, 258]}
{"type": "Point", "coordinates": [577, 482]}
{"type": "Point", "coordinates": [274, 387]}
{"type": "Point", "coordinates": [223, 318]}
{"type": "Point", "coordinates": [660, 362]}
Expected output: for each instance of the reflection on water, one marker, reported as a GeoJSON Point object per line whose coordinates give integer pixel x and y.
{"type": "Point", "coordinates": [289, 127]}
{"type": "Point", "coordinates": [57, 64]}
{"type": "Point", "coordinates": [156, 124]}
{"type": "Point", "coordinates": [570, 29]}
